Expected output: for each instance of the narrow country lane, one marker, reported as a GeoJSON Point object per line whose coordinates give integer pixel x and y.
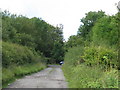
{"type": "Point", "coordinates": [51, 77]}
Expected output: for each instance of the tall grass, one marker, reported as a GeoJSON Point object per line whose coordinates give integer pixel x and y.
{"type": "Point", "coordinates": [13, 72]}
{"type": "Point", "coordinates": [81, 75]}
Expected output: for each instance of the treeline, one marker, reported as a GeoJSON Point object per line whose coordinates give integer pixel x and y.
{"type": "Point", "coordinates": [93, 52]}
{"type": "Point", "coordinates": [34, 33]}
{"type": "Point", "coordinates": [28, 42]}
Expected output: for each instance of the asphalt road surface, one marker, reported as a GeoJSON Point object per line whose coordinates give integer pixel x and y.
{"type": "Point", "coordinates": [51, 77]}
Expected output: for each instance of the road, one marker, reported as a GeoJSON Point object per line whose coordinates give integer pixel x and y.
{"type": "Point", "coordinates": [51, 77]}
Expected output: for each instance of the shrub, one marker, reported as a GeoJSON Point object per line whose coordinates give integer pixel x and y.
{"type": "Point", "coordinates": [100, 55]}
{"type": "Point", "coordinates": [16, 54]}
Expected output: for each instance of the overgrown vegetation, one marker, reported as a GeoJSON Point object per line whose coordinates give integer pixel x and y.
{"type": "Point", "coordinates": [34, 33]}
{"type": "Point", "coordinates": [19, 61]}
{"type": "Point", "coordinates": [91, 60]}
{"type": "Point", "coordinates": [92, 57]}
{"type": "Point", "coordinates": [14, 72]}
{"type": "Point", "coordinates": [18, 55]}
{"type": "Point", "coordinates": [28, 45]}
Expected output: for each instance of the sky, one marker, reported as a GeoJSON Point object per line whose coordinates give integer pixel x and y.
{"type": "Point", "coordinates": [66, 12]}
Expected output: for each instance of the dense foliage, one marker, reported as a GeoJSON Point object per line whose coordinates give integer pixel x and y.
{"type": "Point", "coordinates": [93, 52]}
{"type": "Point", "coordinates": [91, 60]}
{"type": "Point", "coordinates": [28, 44]}
{"type": "Point", "coordinates": [19, 55]}
{"type": "Point", "coordinates": [34, 33]}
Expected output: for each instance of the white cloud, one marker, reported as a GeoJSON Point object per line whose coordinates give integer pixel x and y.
{"type": "Point", "coordinates": [66, 12]}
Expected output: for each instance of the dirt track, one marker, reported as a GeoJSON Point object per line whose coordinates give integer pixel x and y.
{"type": "Point", "coordinates": [51, 77]}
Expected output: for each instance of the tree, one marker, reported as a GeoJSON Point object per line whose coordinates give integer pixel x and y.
{"type": "Point", "coordinates": [58, 52]}
{"type": "Point", "coordinates": [106, 31]}
{"type": "Point", "coordinates": [34, 33]}
{"type": "Point", "coordinates": [88, 22]}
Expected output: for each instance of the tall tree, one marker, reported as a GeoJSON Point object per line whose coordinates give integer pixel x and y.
{"type": "Point", "coordinates": [88, 22]}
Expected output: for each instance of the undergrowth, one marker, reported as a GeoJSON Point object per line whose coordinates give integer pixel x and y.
{"type": "Point", "coordinates": [81, 74]}
{"type": "Point", "coordinates": [18, 61]}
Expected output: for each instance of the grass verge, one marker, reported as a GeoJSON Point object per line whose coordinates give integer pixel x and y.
{"type": "Point", "coordinates": [12, 73]}
{"type": "Point", "coordinates": [80, 75]}
{"type": "Point", "coordinates": [83, 76]}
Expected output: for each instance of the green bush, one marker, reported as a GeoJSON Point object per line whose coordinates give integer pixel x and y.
{"type": "Point", "coordinates": [101, 56]}
{"type": "Point", "coordinates": [24, 39]}
{"type": "Point", "coordinates": [16, 54]}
